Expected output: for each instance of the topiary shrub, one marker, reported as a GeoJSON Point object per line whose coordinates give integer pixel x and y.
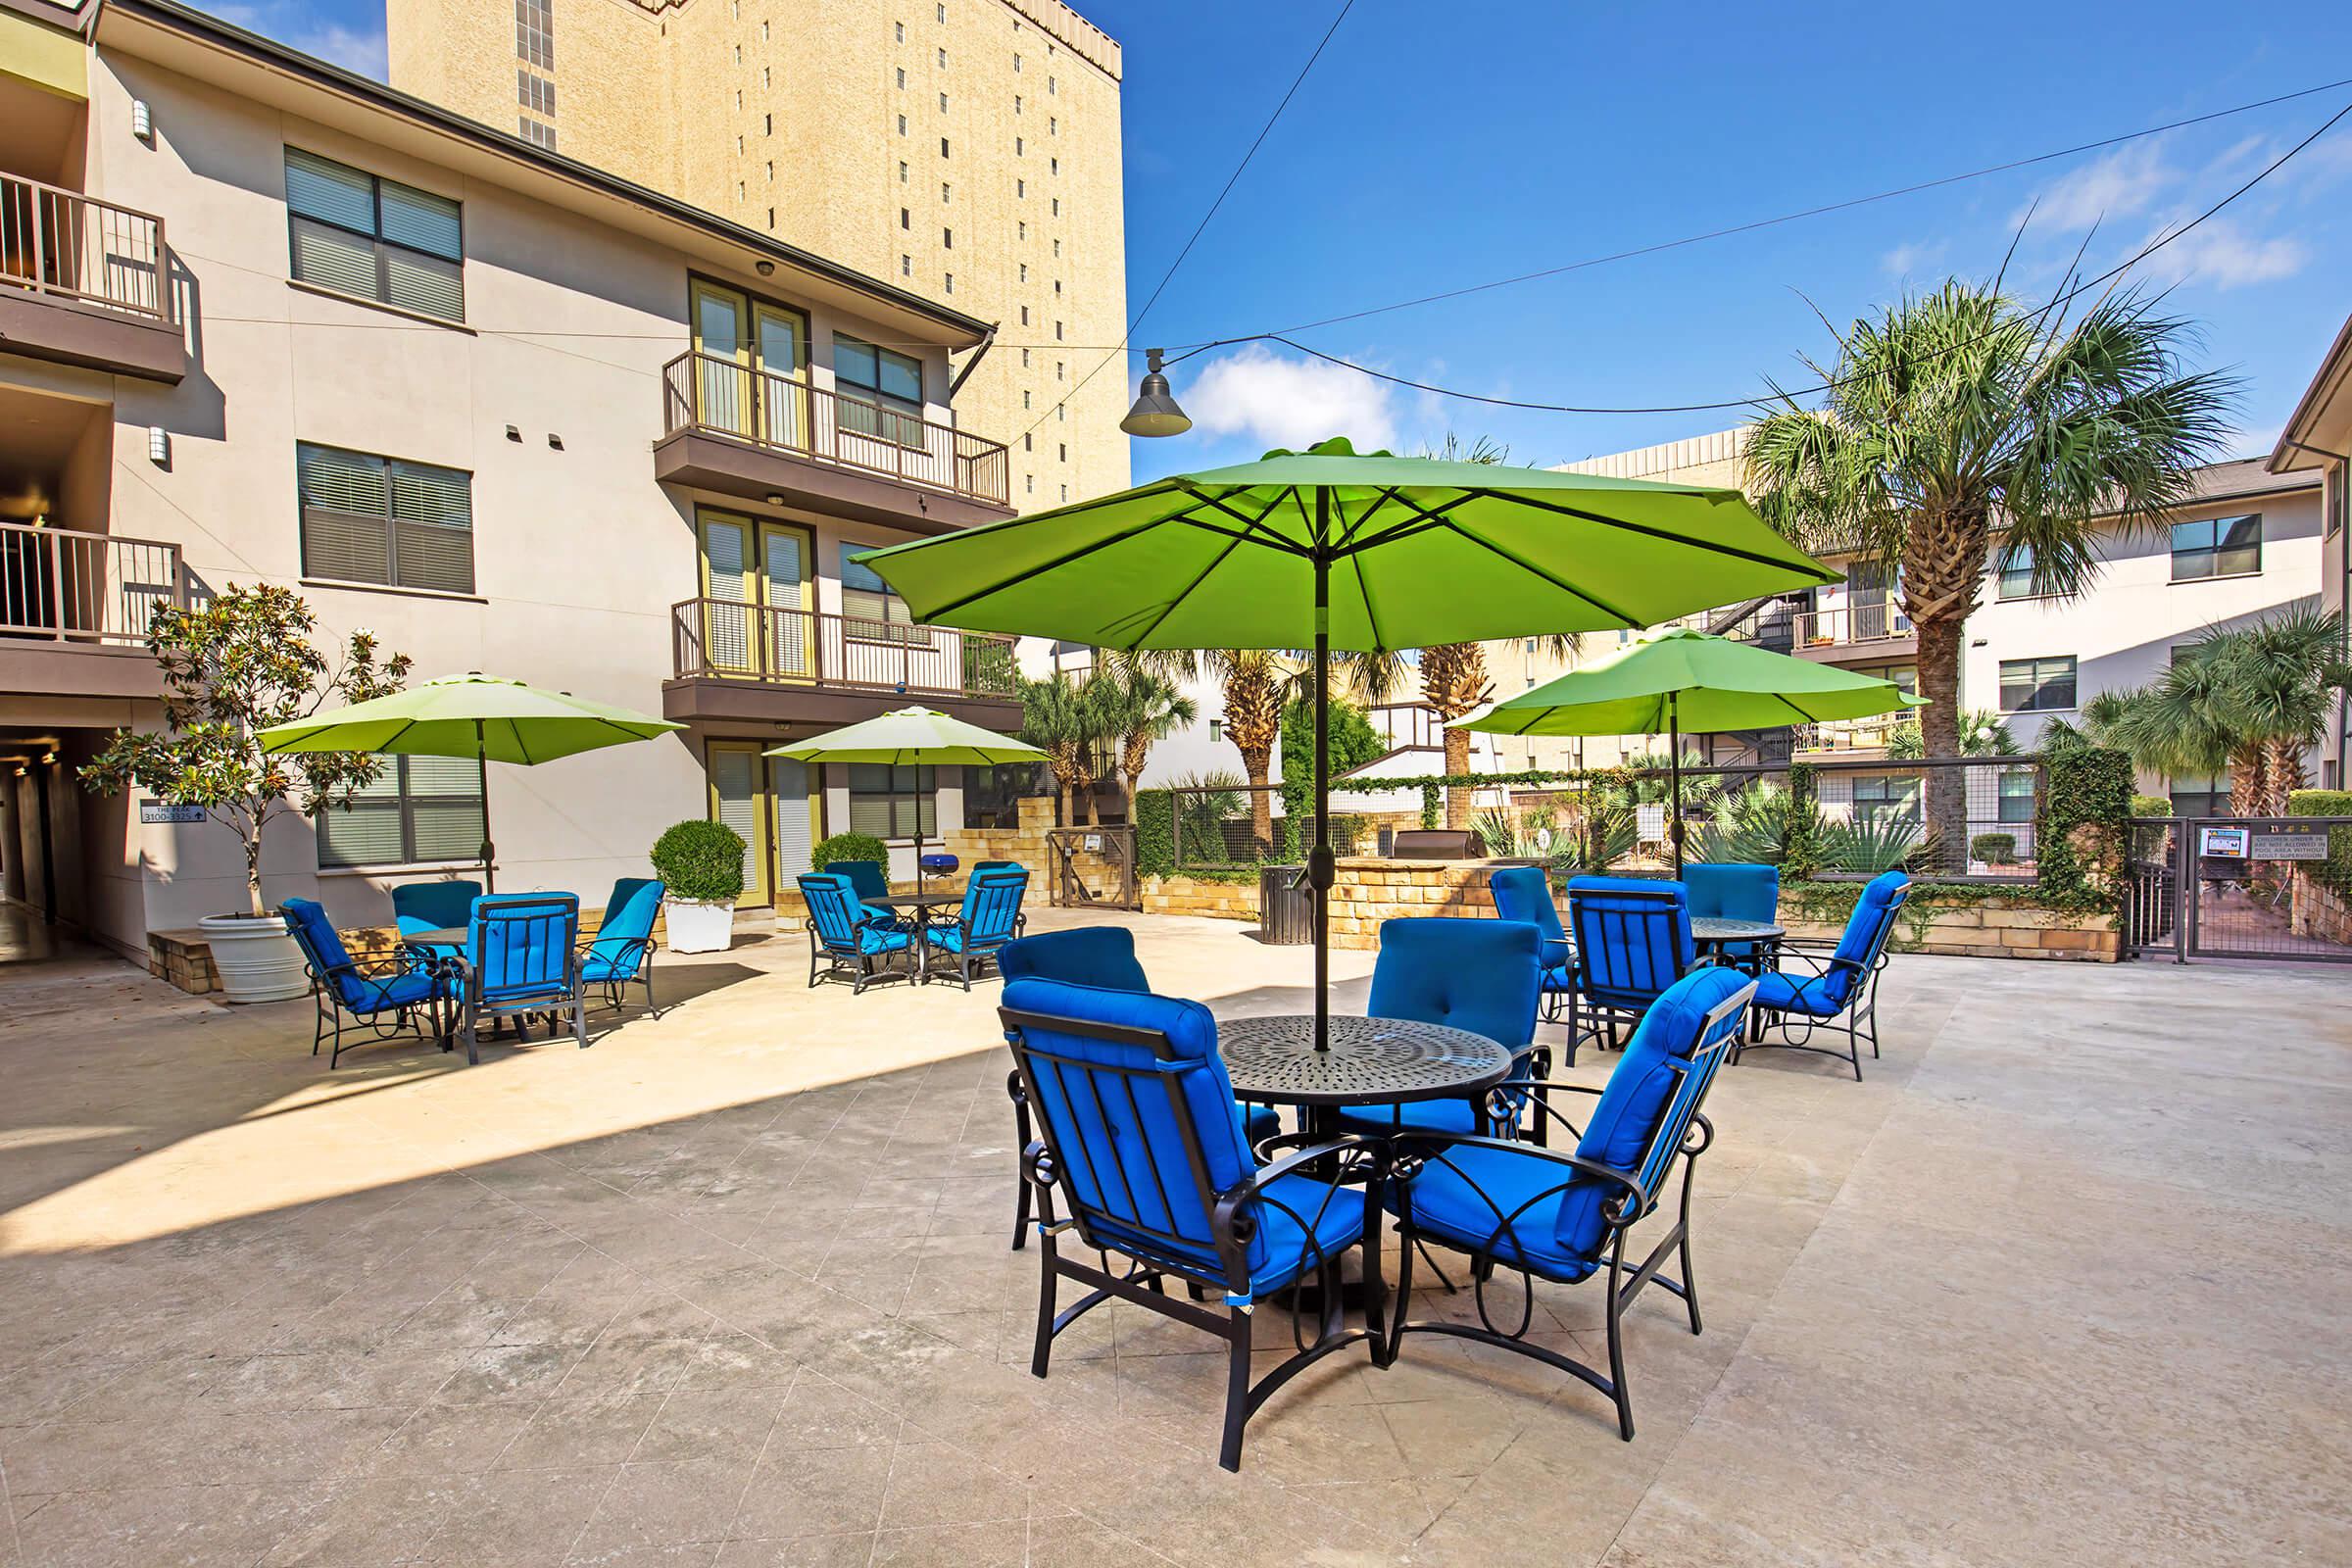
{"type": "Point", "coordinates": [2151, 806]}
{"type": "Point", "coordinates": [1994, 848]}
{"type": "Point", "coordinates": [701, 861]}
{"type": "Point", "coordinates": [2077, 839]}
{"type": "Point", "coordinates": [850, 847]}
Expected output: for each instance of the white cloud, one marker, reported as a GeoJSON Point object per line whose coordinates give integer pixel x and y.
{"type": "Point", "coordinates": [1905, 260]}
{"type": "Point", "coordinates": [1287, 402]}
{"type": "Point", "coordinates": [2122, 183]}
{"type": "Point", "coordinates": [2219, 252]}
{"type": "Point", "coordinates": [290, 23]}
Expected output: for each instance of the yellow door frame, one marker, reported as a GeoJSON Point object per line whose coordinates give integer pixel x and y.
{"type": "Point", "coordinates": [758, 888]}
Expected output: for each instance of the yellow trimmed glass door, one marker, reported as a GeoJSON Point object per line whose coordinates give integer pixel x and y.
{"type": "Point", "coordinates": [757, 591]}
{"type": "Point", "coordinates": [780, 339]}
{"type": "Point", "coordinates": [730, 552]}
{"type": "Point", "coordinates": [722, 366]}
{"type": "Point", "coordinates": [796, 809]}
{"type": "Point", "coordinates": [737, 800]}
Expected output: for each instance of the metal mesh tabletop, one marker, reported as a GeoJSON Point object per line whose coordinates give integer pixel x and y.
{"type": "Point", "coordinates": [1372, 1062]}
{"type": "Point", "coordinates": [1722, 928]}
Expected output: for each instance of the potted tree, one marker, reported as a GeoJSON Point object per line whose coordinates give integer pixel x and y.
{"type": "Point", "coordinates": [231, 667]}
{"type": "Point", "coordinates": [701, 863]}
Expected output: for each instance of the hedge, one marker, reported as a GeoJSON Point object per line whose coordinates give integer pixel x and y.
{"type": "Point", "coordinates": [2089, 787]}
{"type": "Point", "coordinates": [2151, 806]}
{"type": "Point", "coordinates": [2335, 871]}
{"type": "Point", "coordinates": [1154, 832]}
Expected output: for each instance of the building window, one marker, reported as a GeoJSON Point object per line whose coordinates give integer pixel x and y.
{"type": "Point", "coordinates": [948, 283]}
{"type": "Point", "coordinates": [901, 171]}
{"type": "Point", "coordinates": [418, 809]}
{"type": "Point", "coordinates": [1216, 731]}
{"type": "Point", "coordinates": [357, 234]}
{"type": "Point", "coordinates": [2017, 572]}
{"type": "Point", "coordinates": [947, 192]}
{"type": "Point", "coordinates": [534, 92]}
{"type": "Point", "coordinates": [536, 133]}
{"type": "Point", "coordinates": [535, 32]}
{"type": "Point", "coordinates": [906, 267]}
{"type": "Point", "coordinates": [2014, 803]}
{"type": "Point", "coordinates": [2201, 794]}
{"type": "Point", "coordinates": [870, 611]}
{"type": "Point", "coordinates": [2217, 547]}
{"type": "Point", "coordinates": [905, 218]}
{"type": "Point", "coordinates": [378, 519]}
{"type": "Point", "coordinates": [2038, 685]}
{"type": "Point", "coordinates": [943, 103]}
{"type": "Point", "coordinates": [1024, 316]}
{"type": "Point", "coordinates": [886, 391]}
{"type": "Point", "coordinates": [902, 76]}
{"type": "Point", "coordinates": [943, 57]}
{"type": "Point", "coordinates": [1886, 797]}
{"type": "Point", "coordinates": [899, 28]}
{"type": "Point", "coordinates": [942, 146]}
{"type": "Point", "coordinates": [902, 125]}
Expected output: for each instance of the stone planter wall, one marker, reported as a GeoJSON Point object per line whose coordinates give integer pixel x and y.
{"type": "Point", "coordinates": [2318, 912]}
{"type": "Point", "coordinates": [1217, 900]}
{"type": "Point", "coordinates": [1990, 928]}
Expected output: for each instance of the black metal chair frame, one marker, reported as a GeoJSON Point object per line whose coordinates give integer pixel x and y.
{"type": "Point", "coordinates": [1859, 1016]}
{"type": "Point", "coordinates": [415, 960]}
{"type": "Point", "coordinates": [617, 990]}
{"type": "Point", "coordinates": [858, 968]}
{"type": "Point", "coordinates": [971, 961]}
{"type": "Point", "coordinates": [1233, 1216]}
{"type": "Point", "coordinates": [572, 997]}
{"type": "Point", "coordinates": [1634, 1197]}
{"type": "Point", "coordinates": [1615, 1017]}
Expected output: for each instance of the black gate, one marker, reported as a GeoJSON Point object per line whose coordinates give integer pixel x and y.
{"type": "Point", "coordinates": [2259, 886]}
{"type": "Point", "coordinates": [2153, 919]}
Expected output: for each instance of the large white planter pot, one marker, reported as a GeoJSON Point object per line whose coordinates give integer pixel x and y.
{"type": "Point", "coordinates": [256, 957]}
{"type": "Point", "coordinates": [696, 926]}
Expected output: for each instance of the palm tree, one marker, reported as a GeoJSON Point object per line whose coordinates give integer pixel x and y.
{"type": "Point", "coordinates": [1252, 681]}
{"type": "Point", "coordinates": [1067, 718]}
{"type": "Point", "coordinates": [1955, 413]}
{"type": "Point", "coordinates": [2246, 700]}
{"type": "Point", "coordinates": [1981, 734]}
{"type": "Point", "coordinates": [1142, 704]}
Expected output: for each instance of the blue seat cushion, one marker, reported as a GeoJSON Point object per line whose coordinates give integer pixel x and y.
{"type": "Point", "coordinates": [1423, 1115]}
{"type": "Point", "coordinates": [1259, 1122]}
{"type": "Point", "coordinates": [596, 970]}
{"type": "Point", "coordinates": [950, 937]}
{"type": "Point", "coordinates": [1336, 1216]}
{"type": "Point", "coordinates": [1818, 996]}
{"type": "Point", "coordinates": [382, 996]}
{"type": "Point", "coordinates": [1462, 1196]}
{"type": "Point", "coordinates": [870, 940]}
{"type": "Point", "coordinates": [1559, 977]}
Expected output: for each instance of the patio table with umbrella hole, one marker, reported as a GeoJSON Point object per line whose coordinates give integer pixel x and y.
{"type": "Point", "coordinates": [1679, 682]}
{"type": "Point", "coordinates": [1330, 549]}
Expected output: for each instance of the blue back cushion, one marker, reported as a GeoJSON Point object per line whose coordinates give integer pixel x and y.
{"type": "Point", "coordinates": [1117, 1136]}
{"type": "Point", "coordinates": [521, 941]}
{"type": "Point", "coordinates": [1865, 936]}
{"type": "Point", "coordinates": [624, 935]}
{"type": "Point", "coordinates": [1628, 1117]}
{"type": "Point", "coordinates": [1734, 890]}
{"type": "Point", "coordinates": [992, 902]}
{"type": "Point", "coordinates": [434, 905]}
{"type": "Point", "coordinates": [316, 935]}
{"type": "Point", "coordinates": [1102, 955]}
{"type": "Point", "coordinates": [833, 907]}
{"type": "Point", "coordinates": [1633, 935]}
{"type": "Point", "coordinates": [866, 876]}
{"type": "Point", "coordinates": [1478, 976]}
{"type": "Point", "coordinates": [1524, 893]}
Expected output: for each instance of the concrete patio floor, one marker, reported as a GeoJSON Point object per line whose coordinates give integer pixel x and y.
{"type": "Point", "coordinates": [2067, 1278]}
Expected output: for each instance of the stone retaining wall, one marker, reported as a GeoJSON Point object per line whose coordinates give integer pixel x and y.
{"type": "Point", "coordinates": [2318, 912]}
{"type": "Point", "coordinates": [1989, 929]}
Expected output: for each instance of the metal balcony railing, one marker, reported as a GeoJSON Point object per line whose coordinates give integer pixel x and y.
{"type": "Point", "coordinates": [1851, 624]}
{"type": "Point", "coordinates": [62, 243]}
{"type": "Point", "coordinates": [737, 641]}
{"type": "Point", "coordinates": [1851, 734]}
{"type": "Point", "coordinates": [57, 585]}
{"type": "Point", "coordinates": [715, 396]}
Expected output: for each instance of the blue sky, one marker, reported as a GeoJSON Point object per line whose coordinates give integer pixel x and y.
{"type": "Point", "coordinates": [1421, 157]}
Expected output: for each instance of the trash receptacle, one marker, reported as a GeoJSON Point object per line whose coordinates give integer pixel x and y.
{"type": "Point", "coordinates": [1286, 915]}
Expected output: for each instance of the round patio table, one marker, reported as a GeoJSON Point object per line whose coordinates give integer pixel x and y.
{"type": "Point", "coordinates": [922, 904]}
{"type": "Point", "coordinates": [1372, 1062]}
{"type": "Point", "coordinates": [1715, 931]}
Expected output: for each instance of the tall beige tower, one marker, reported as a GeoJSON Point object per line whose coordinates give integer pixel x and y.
{"type": "Point", "coordinates": [968, 150]}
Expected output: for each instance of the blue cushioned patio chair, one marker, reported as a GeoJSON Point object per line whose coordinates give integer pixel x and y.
{"type": "Point", "coordinates": [521, 957]}
{"type": "Point", "coordinates": [383, 1005]}
{"type": "Point", "coordinates": [846, 940]}
{"type": "Point", "coordinates": [1838, 988]}
{"type": "Point", "coordinates": [1141, 1152]}
{"type": "Point", "coordinates": [622, 950]}
{"type": "Point", "coordinates": [1735, 890]}
{"type": "Point", "coordinates": [1633, 941]}
{"type": "Point", "coordinates": [1524, 893]}
{"type": "Point", "coordinates": [1480, 976]}
{"type": "Point", "coordinates": [872, 881]}
{"type": "Point", "coordinates": [988, 918]}
{"type": "Point", "coordinates": [422, 906]}
{"type": "Point", "coordinates": [1563, 1217]}
{"type": "Point", "coordinates": [1021, 925]}
{"type": "Point", "coordinates": [1086, 955]}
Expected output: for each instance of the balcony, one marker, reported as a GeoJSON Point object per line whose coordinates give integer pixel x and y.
{"type": "Point", "coordinates": [1850, 736]}
{"type": "Point", "coordinates": [75, 609]}
{"type": "Point", "coordinates": [760, 664]}
{"type": "Point", "coordinates": [1855, 634]}
{"type": "Point", "coordinates": [758, 434]}
{"type": "Point", "coordinates": [83, 282]}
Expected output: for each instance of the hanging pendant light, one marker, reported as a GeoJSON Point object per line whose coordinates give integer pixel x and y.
{"type": "Point", "coordinates": [1155, 411]}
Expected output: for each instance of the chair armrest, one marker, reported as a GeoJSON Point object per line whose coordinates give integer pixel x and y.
{"type": "Point", "coordinates": [1629, 1180]}
{"type": "Point", "coordinates": [1305, 1155]}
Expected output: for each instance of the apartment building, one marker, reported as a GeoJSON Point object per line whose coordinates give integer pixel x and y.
{"type": "Point", "coordinates": [2316, 445]}
{"type": "Point", "coordinates": [262, 320]}
{"type": "Point", "coordinates": [966, 150]}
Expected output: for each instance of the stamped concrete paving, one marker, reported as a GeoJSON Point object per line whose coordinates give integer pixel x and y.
{"type": "Point", "coordinates": [2067, 1278]}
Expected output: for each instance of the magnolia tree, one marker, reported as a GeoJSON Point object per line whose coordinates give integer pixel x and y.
{"type": "Point", "coordinates": [238, 665]}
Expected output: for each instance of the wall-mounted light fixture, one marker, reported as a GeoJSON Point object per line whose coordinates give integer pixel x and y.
{"type": "Point", "coordinates": [159, 446]}
{"type": "Point", "coordinates": [765, 268]}
{"type": "Point", "coordinates": [514, 434]}
{"type": "Point", "coordinates": [555, 441]}
{"type": "Point", "coordinates": [142, 124]}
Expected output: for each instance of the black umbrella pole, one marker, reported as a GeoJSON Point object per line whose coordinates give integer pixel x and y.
{"type": "Point", "coordinates": [481, 763]}
{"type": "Point", "coordinates": [1319, 860]}
{"type": "Point", "coordinates": [1674, 772]}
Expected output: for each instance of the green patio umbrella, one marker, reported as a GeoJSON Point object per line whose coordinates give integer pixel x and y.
{"type": "Point", "coordinates": [476, 715]}
{"type": "Point", "coordinates": [913, 737]}
{"type": "Point", "coordinates": [1328, 549]}
{"type": "Point", "coordinates": [1682, 681]}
